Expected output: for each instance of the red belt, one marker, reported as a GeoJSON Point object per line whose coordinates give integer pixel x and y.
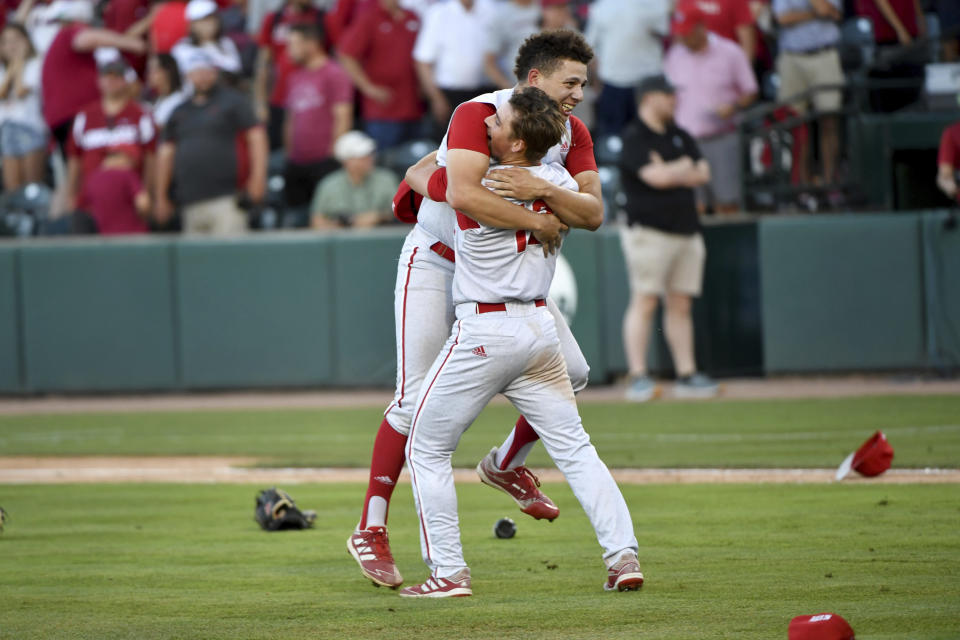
{"type": "Point", "coordinates": [443, 251]}
{"type": "Point", "coordinates": [490, 307]}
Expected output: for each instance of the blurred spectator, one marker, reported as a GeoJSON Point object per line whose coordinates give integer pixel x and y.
{"type": "Point", "coordinates": [23, 134]}
{"type": "Point", "coordinates": [948, 161]}
{"type": "Point", "coordinates": [659, 167]}
{"type": "Point", "coordinates": [948, 11]}
{"type": "Point", "coordinates": [69, 77]}
{"type": "Point", "coordinates": [113, 194]}
{"type": "Point", "coordinates": [168, 25]}
{"type": "Point", "coordinates": [808, 58]}
{"type": "Point", "coordinates": [199, 156]}
{"type": "Point", "coordinates": [894, 21]}
{"type": "Point", "coordinates": [273, 65]}
{"type": "Point", "coordinates": [123, 15]}
{"type": "Point", "coordinates": [733, 20]}
{"type": "Point", "coordinates": [713, 80]}
{"type": "Point", "coordinates": [233, 18]}
{"type": "Point", "coordinates": [377, 52]}
{"type": "Point", "coordinates": [516, 20]}
{"type": "Point", "coordinates": [449, 55]}
{"type": "Point", "coordinates": [358, 195]}
{"type": "Point", "coordinates": [41, 21]}
{"type": "Point", "coordinates": [319, 110]}
{"type": "Point", "coordinates": [558, 14]}
{"type": "Point", "coordinates": [206, 34]}
{"type": "Point", "coordinates": [163, 80]}
{"type": "Point", "coordinates": [114, 120]}
{"type": "Point", "coordinates": [627, 37]}
{"type": "Point", "coordinates": [341, 17]}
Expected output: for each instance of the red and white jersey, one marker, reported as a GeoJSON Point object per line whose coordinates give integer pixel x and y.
{"type": "Point", "coordinates": [504, 265]}
{"type": "Point", "coordinates": [467, 130]}
{"type": "Point", "coordinates": [95, 134]}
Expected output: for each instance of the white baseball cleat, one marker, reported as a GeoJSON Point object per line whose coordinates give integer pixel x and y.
{"type": "Point", "coordinates": [520, 484]}
{"type": "Point", "coordinates": [456, 586]}
{"type": "Point", "coordinates": [371, 549]}
{"type": "Point", "coordinates": [624, 574]}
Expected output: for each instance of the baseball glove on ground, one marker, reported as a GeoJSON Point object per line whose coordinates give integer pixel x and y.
{"type": "Point", "coordinates": [277, 511]}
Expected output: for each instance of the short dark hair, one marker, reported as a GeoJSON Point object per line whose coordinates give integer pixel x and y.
{"type": "Point", "coordinates": [538, 121]}
{"type": "Point", "coordinates": [309, 31]}
{"type": "Point", "coordinates": [548, 49]}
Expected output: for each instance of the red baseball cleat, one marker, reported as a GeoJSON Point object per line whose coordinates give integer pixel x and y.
{"type": "Point", "coordinates": [624, 574]}
{"type": "Point", "coordinates": [521, 485]}
{"type": "Point", "coordinates": [456, 586]}
{"type": "Point", "coordinates": [371, 549]}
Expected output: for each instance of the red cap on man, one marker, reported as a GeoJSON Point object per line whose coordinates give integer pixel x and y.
{"type": "Point", "coordinates": [686, 16]}
{"type": "Point", "coordinates": [822, 626]}
{"type": "Point", "coordinates": [872, 458]}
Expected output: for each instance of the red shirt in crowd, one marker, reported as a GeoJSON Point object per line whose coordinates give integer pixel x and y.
{"type": "Point", "coordinates": [724, 16]}
{"type": "Point", "coordinates": [883, 32]}
{"type": "Point", "coordinates": [95, 134]}
{"type": "Point", "coordinates": [310, 101]}
{"type": "Point", "coordinates": [342, 15]}
{"type": "Point", "coordinates": [109, 196]}
{"type": "Point", "coordinates": [949, 152]}
{"type": "Point", "coordinates": [69, 78]}
{"type": "Point", "coordinates": [383, 46]}
{"type": "Point", "coordinates": [273, 34]}
{"type": "Point", "coordinates": [169, 26]}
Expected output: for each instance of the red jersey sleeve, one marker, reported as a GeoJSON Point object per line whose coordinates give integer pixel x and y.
{"type": "Point", "coordinates": [437, 185]}
{"type": "Point", "coordinates": [467, 129]}
{"type": "Point", "coordinates": [580, 157]}
{"type": "Point", "coordinates": [265, 37]}
{"type": "Point", "coordinates": [342, 88]}
{"type": "Point", "coordinates": [948, 146]}
{"type": "Point", "coordinates": [742, 14]}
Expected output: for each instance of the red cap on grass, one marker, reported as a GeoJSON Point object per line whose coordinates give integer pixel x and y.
{"type": "Point", "coordinates": [871, 459]}
{"type": "Point", "coordinates": [406, 203]}
{"type": "Point", "coordinates": [686, 16]}
{"type": "Point", "coordinates": [822, 626]}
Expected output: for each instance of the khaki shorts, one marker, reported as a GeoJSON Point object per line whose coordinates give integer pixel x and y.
{"type": "Point", "coordinates": [660, 263]}
{"type": "Point", "coordinates": [798, 72]}
{"type": "Point", "coordinates": [219, 216]}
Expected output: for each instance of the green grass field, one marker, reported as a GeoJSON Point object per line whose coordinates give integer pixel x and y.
{"type": "Point", "coordinates": [722, 561]}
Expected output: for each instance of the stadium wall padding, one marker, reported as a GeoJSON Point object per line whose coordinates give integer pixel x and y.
{"type": "Point", "coordinates": [803, 294]}
{"type": "Point", "coordinates": [842, 293]}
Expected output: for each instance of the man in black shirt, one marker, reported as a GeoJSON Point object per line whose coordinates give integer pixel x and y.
{"type": "Point", "coordinates": [660, 166]}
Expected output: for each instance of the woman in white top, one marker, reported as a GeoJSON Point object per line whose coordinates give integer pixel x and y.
{"type": "Point", "coordinates": [206, 33]}
{"type": "Point", "coordinates": [163, 81]}
{"type": "Point", "coordinates": [23, 133]}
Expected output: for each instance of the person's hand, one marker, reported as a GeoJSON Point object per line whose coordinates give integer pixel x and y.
{"type": "Point", "coordinates": [163, 210]}
{"type": "Point", "coordinates": [378, 94]}
{"type": "Point", "coordinates": [23, 92]}
{"type": "Point", "coordinates": [550, 234]}
{"type": "Point", "coordinates": [725, 111]}
{"type": "Point", "coordinates": [515, 183]}
{"type": "Point", "coordinates": [256, 190]}
{"type": "Point", "coordinates": [904, 36]}
{"type": "Point", "coordinates": [138, 47]}
{"type": "Point", "coordinates": [366, 220]}
{"type": "Point", "coordinates": [440, 107]}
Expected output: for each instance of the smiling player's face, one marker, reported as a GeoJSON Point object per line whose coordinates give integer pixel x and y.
{"type": "Point", "coordinates": [565, 84]}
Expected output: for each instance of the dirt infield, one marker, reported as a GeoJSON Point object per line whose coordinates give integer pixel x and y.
{"type": "Point", "coordinates": [734, 389]}
{"type": "Point", "coordinates": [209, 470]}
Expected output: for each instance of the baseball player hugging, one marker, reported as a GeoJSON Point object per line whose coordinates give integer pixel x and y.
{"type": "Point", "coordinates": [504, 340]}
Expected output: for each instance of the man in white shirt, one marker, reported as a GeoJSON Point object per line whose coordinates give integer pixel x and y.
{"type": "Point", "coordinates": [516, 21]}
{"type": "Point", "coordinates": [627, 36]}
{"type": "Point", "coordinates": [449, 55]}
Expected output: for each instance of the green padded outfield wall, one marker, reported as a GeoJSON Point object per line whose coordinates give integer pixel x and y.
{"type": "Point", "coordinates": [256, 311]}
{"type": "Point", "coordinates": [941, 242]}
{"type": "Point", "coordinates": [842, 293]}
{"type": "Point", "coordinates": [364, 274]}
{"type": "Point", "coordinates": [9, 322]}
{"type": "Point", "coordinates": [97, 315]}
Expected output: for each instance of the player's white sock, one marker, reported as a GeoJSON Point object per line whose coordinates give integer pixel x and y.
{"type": "Point", "coordinates": [376, 512]}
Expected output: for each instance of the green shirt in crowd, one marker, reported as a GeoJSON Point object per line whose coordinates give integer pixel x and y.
{"type": "Point", "coordinates": [336, 196]}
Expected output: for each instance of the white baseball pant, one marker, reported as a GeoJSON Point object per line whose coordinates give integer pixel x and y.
{"type": "Point", "coordinates": [423, 313]}
{"type": "Point", "coordinates": [515, 352]}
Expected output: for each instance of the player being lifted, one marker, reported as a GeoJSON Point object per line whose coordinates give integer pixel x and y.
{"type": "Point", "coordinates": [505, 341]}
{"type": "Point", "coordinates": [556, 62]}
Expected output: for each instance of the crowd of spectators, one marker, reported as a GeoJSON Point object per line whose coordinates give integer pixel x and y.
{"type": "Point", "coordinates": [168, 114]}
